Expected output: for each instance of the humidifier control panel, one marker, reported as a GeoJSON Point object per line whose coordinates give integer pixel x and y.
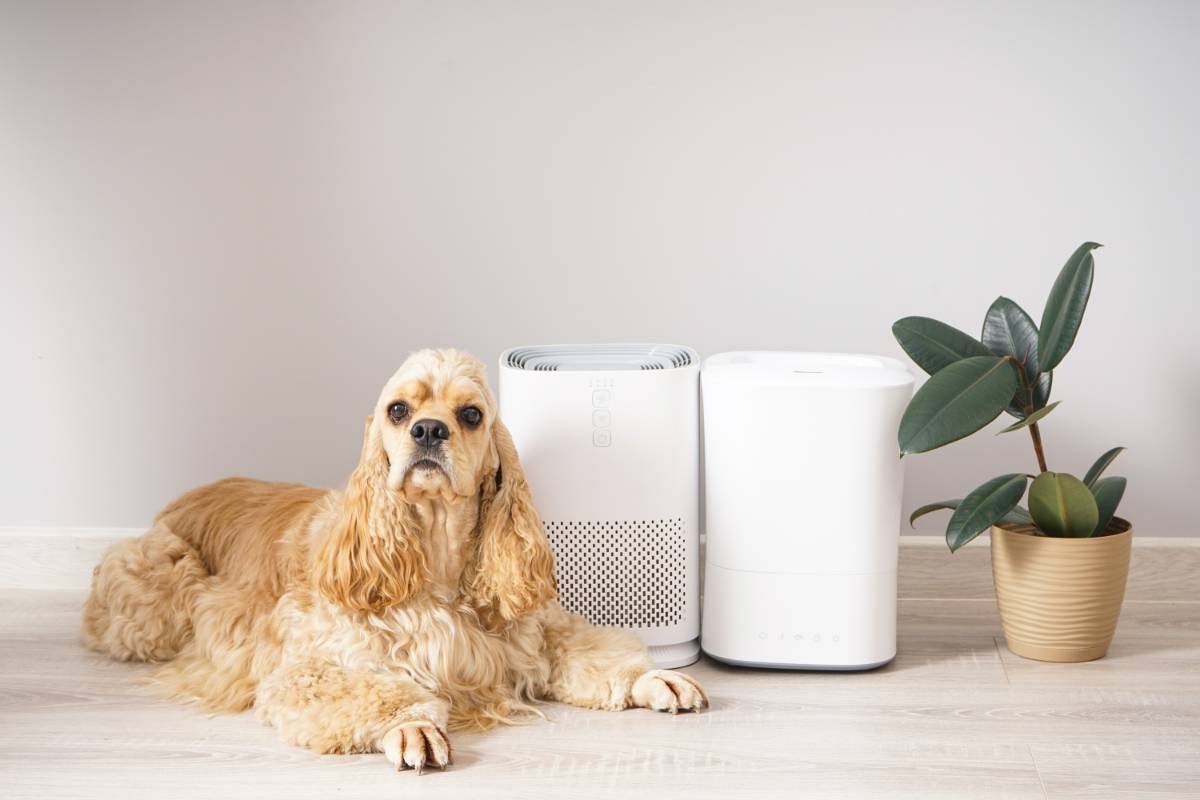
{"type": "Point", "coordinates": [800, 620]}
{"type": "Point", "coordinates": [601, 391]}
{"type": "Point", "coordinates": [814, 637]}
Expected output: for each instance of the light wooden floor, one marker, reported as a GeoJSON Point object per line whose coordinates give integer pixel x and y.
{"type": "Point", "coordinates": [956, 715]}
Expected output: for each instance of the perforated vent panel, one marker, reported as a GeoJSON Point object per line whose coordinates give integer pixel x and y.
{"type": "Point", "coordinates": [630, 573]}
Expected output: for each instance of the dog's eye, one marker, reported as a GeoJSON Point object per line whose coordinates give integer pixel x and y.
{"type": "Point", "coordinates": [397, 412]}
{"type": "Point", "coordinates": [471, 416]}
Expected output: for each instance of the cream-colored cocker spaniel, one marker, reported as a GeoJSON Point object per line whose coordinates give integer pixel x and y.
{"type": "Point", "coordinates": [374, 619]}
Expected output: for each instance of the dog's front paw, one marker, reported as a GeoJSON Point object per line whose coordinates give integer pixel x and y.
{"type": "Point", "coordinates": [667, 690]}
{"type": "Point", "coordinates": [415, 745]}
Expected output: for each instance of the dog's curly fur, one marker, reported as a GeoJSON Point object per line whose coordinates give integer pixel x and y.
{"type": "Point", "coordinates": [418, 599]}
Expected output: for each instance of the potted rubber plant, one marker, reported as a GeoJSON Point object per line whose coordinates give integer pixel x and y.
{"type": "Point", "coordinates": [1060, 560]}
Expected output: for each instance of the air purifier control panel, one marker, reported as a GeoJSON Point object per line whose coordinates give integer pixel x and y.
{"type": "Point", "coordinates": [601, 410]}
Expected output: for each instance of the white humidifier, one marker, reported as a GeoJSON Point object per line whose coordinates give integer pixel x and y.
{"type": "Point", "coordinates": [803, 485]}
{"type": "Point", "coordinates": [608, 436]}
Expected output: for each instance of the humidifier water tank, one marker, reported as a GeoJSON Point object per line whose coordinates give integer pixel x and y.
{"type": "Point", "coordinates": [803, 485]}
{"type": "Point", "coordinates": [609, 437]}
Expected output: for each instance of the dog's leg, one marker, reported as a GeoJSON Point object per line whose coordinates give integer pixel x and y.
{"type": "Point", "coordinates": [608, 668]}
{"type": "Point", "coordinates": [142, 593]}
{"type": "Point", "coordinates": [331, 709]}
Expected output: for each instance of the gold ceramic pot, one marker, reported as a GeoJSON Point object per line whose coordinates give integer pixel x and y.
{"type": "Point", "coordinates": [1060, 598]}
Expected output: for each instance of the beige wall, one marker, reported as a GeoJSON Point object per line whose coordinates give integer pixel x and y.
{"type": "Point", "coordinates": [223, 225]}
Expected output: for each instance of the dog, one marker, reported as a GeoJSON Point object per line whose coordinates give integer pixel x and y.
{"type": "Point", "coordinates": [419, 599]}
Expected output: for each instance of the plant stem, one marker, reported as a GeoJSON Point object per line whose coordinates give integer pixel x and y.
{"type": "Point", "coordinates": [1036, 435]}
{"type": "Point", "coordinates": [1034, 432]}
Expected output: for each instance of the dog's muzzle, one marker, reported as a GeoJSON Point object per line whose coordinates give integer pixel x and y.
{"type": "Point", "coordinates": [429, 458]}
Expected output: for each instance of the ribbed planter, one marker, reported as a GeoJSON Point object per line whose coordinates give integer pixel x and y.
{"type": "Point", "coordinates": [1060, 598]}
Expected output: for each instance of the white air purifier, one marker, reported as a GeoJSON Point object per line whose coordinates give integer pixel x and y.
{"type": "Point", "coordinates": [803, 484]}
{"type": "Point", "coordinates": [608, 435]}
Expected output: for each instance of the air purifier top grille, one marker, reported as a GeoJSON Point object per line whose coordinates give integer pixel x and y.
{"type": "Point", "coordinates": [598, 357]}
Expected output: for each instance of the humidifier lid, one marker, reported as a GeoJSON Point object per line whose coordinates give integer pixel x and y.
{"type": "Point", "coordinates": [815, 370]}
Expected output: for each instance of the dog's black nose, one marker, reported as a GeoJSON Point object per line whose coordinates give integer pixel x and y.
{"type": "Point", "coordinates": [429, 432]}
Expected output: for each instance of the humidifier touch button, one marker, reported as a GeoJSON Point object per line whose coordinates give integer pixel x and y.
{"type": "Point", "coordinates": [802, 508]}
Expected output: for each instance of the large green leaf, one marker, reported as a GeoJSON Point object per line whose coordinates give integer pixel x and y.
{"type": "Point", "coordinates": [935, 345]}
{"type": "Point", "coordinates": [1017, 515]}
{"type": "Point", "coordinates": [1062, 506]}
{"type": "Point", "coordinates": [1029, 420]}
{"type": "Point", "coordinates": [956, 402]}
{"type": "Point", "coordinates": [1108, 493]}
{"type": "Point", "coordinates": [1065, 306]}
{"type": "Point", "coordinates": [1009, 331]}
{"type": "Point", "coordinates": [1101, 464]}
{"type": "Point", "coordinates": [984, 507]}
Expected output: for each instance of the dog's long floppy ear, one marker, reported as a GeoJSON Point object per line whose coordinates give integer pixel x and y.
{"type": "Point", "coordinates": [371, 557]}
{"type": "Point", "coordinates": [513, 566]}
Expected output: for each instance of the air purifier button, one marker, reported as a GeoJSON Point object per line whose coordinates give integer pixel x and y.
{"type": "Point", "coordinates": [601, 437]}
{"type": "Point", "coordinates": [601, 417]}
{"type": "Point", "coordinates": [601, 398]}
